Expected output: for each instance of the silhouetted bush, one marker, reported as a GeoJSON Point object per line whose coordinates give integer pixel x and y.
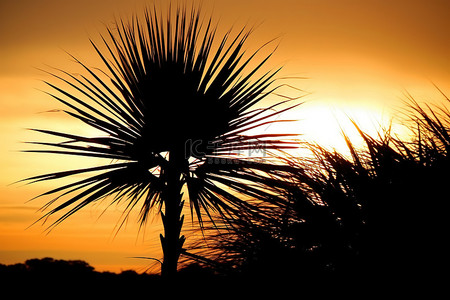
{"type": "Point", "coordinates": [375, 217]}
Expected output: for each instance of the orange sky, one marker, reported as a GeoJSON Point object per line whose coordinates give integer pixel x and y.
{"type": "Point", "coordinates": [360, 57]}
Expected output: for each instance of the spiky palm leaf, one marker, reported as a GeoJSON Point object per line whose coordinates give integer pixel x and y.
{"type": "Point", "coordinates": [171, 102]}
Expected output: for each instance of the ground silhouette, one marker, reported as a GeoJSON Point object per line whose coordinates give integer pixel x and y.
{"type": "Point", "coordinates": [54, 278]}
{"type": "Point", "coordinates": [77, 276]}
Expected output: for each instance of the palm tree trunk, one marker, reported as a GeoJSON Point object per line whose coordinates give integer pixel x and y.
{"type": "Point", "coordinates": [172, 219]}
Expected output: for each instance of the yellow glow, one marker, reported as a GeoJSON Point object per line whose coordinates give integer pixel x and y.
{"type": "Point", "coordinates": [325, 125]}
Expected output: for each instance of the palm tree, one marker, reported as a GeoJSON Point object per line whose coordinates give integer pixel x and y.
{"type": "Point", "coordinates": [173, 110]}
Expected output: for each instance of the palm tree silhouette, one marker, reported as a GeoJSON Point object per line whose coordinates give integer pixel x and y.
{"type": "Point", "coordinates": [174, 112]}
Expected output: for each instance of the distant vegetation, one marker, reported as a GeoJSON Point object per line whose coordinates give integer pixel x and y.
{"type": "Point", "coordinates": [55, 270]}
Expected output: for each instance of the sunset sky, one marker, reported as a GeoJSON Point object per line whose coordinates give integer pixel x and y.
{"type": "Point", "coordinates": [352, 58]}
